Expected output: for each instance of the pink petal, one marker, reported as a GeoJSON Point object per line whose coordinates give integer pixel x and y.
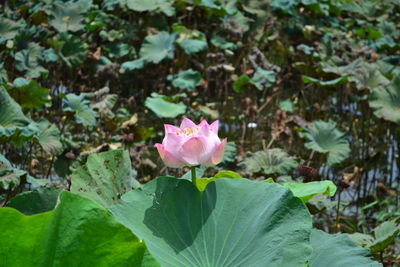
{"type": "Point", "coordinates": [214, 126]}
{"type": "Point", "coordinates": [217, 154]}
{"type": "Point", "coordinates": [187, 123]}
{"type": "Point", "coordinates": [195, 150]}
{"type": "Point", "coordinates": [170, 128]}
{"type": "Point", "coordinates": [202, 123]}
{"type": "Point", "coordinates": [169, 160]}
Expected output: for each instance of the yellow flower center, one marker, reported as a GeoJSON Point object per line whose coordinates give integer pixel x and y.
{"type": "Point", "coordinates": [190, 132]}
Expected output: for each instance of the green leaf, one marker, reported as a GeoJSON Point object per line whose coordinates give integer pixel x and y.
{"type": "Point", "coordinates": [203, 182]}
{"type": "Point", "coordinates": [193, 46]}
{"type": "Point", "coordinates": [165, 6]}
{"type": "Point", "coordinates": [105, 177]}
{"type": "Point", "coordinates": [27, 61]}
{"type": "Point", "coordinates": [337, 81]}
{"type": "Point", "coordinates": [158, 47]}
{"type": "Point", "coordinates": [163, 108]}
{"type": "Point", "coordinates": [234, 222]}
{"type": "Point", "coordinates": [386, 101]}
{"type": "Point", "coordinates": [270, 161]}
{"type": "Point", "coordinates": [337, 251]}
{"type": "Point", "coordinates": [222, 43]}
{"type": "Point", "coordinates": [364, 75]}
{"type": "Point", "coordinates": [305, 191]}
{"type": "Point", "coordinates": [69, 16]}
{"type": "Point", "coordinates": [239, 85]}
{"type": "Point", "coordinates": [10, 178]}
{"type": "Point", "coordinates": [8, 29]}
{"type": "Point", "coordinates": [286, 105]}
{"type": "Point", "coordinates": [188, 79]}
{"type": "Point", "coordinates": [49, 137]}
{"type": "Point", "coordinates": [229, 153]}
{"type": "Point", "coordinates": [13, 123]}
{"type": "Point", "coordinates": [263, 78]}
{"type": "Point", "coordinates": [78, 232]}
{"type": "Point", "coordinates": [102, 101]}
{"type": "Point", "coordinates": [37, 201]}
{"type": "Point", "coordinates": [72, 50]}
{"type": "Point", "coordinates": [29, 94]}
{"type": "Point", "coordinates": [385, 234]}
{"type": "Point", "coordinates": [324, 137]}
{"type": "Point", "coordinates": [80, 106]}
{"type": "Point", "coordinates": [133, 65]}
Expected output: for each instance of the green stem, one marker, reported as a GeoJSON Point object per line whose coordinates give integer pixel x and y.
{"type": "Point", "coordinates": [193, 170]}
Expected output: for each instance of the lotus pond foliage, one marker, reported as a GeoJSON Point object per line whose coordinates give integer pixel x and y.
{"type": "Point", "coordinates": [286, 154]}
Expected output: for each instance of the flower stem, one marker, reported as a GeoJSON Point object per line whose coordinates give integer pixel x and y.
{"type": "Point", "coordinates": [193, 170]}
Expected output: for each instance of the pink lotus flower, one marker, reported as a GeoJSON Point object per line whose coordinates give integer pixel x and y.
{"type": "Point", "coordinates": [191, 144]}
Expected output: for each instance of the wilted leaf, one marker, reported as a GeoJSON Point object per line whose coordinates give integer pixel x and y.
{"type": "Point", "coordinates": [163, 108]}
{"type": "Point", "coordinates": [105, 177]}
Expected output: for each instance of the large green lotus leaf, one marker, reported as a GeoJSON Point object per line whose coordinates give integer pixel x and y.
{"type": "Point", "coordinates": [324, 137]}
{"type": "Point", "coordinates": [192, 46]}
{"type": "Point", "coordinates": [80, 106]}
{"type": "Point", "coordinates": [27, 61]}
{"type": "Point", "coordinates": [158, 47]}
{"type": "Point", "coordinates": [36, 201]}
{"type": "Point", "coordinates": [233, 222]}
{"type": "Point", "coordinates": [165, 6]}
{"type": "Point", "coordinates": [13, 123]}
{"type": "Point", "coordinates": [69, 16]}
{"type": "Point", "coordinates": [188, 79]}
{"type": "Point", "coordinates": [270, 161]}
{"type": "Point", "coordinates": [305, 191]}
{"type": "Point", "coordinates": [105, 177]}
{"type": "Point", "coordinates": [386, 101]}
{"type": "Point", "coordinates": [163, 108]}
{"type": "Point", "coordinates": [78, 232]}
{"type": "Point", "coordinates": [338, 251]}
{"type": "Point", "coordinates": [29, 94]}
{"type": "Point", "coordinates": [385, 234]}
{"type": "Point", "coordinates": [49, 137]}
{"type": "Point", "coordinates": [8, 29]}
